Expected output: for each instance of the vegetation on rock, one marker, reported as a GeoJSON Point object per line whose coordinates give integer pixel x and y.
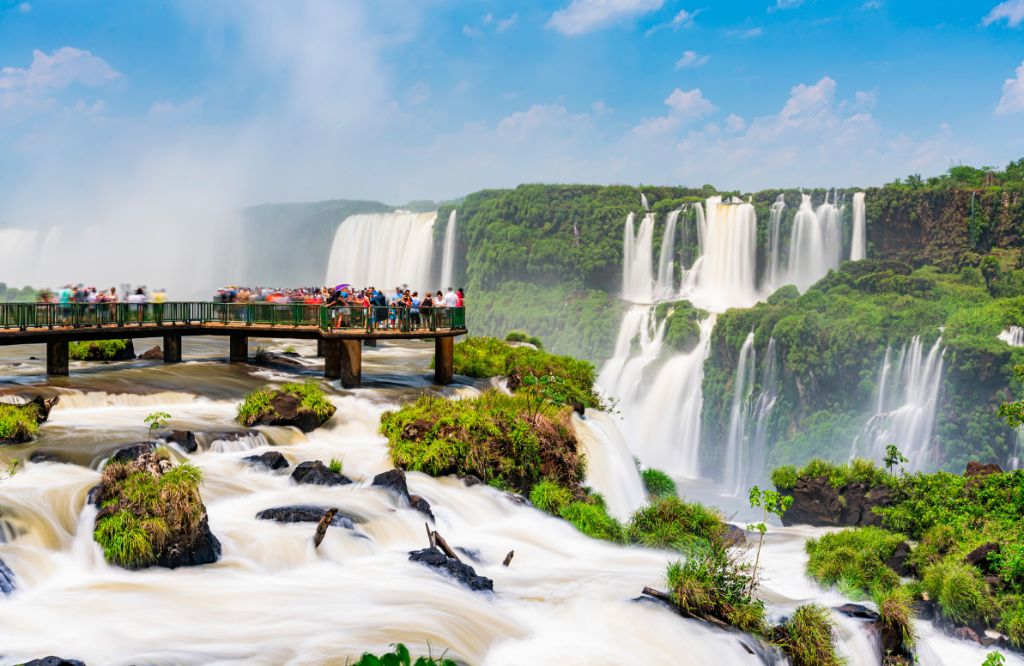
{"type": "Point", "coordinates": [265, 405]}
{"type": "Point", "coordinates": [18, 423]}
{"type": "Point", "coordinates": [399, 656]}
{"type": "Point", "coordinates": [658, 483]}
{"type": "Point", "coordinates": [101, 350]}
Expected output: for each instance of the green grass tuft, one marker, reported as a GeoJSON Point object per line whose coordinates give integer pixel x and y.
{"type": "Point", "coordinates": [258, 404]}
{"type": "Point", "coordinates": [335, 465]}
{"type": "Point", "coordinates": [854, 559]}
{"type": "Point", "coordinates": [593, 520]}
{"type": "Point", "coordinates": [18, 422]}
{"type": "Point", "coordinates": [658, 483]}
{"type": "Point", "coordinates": [550, 497]}
{"type": "Point", "coordinates": [808, 637]}
{"type": "Point", "coordinates": [96, 350]}
{"type": "Point", "coordinates": [959, 590]}
{"type": "Point", "coordinates": [670, 522]}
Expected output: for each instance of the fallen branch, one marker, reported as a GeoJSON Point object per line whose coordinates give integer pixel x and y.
{"type": "Point", "coordinates": [321, 527]}
{"type": "Point", "coordinates": [508, 558]}
{"type": "Point", "coordinates": [445, 548]}
{"type": "Point", "coordinates": [430, 535]}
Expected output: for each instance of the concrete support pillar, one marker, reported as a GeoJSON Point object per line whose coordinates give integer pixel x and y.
{"type": "Point", "coordinates": [239, 348]}
{"type": "Point", "coordinates": [444, 352]}
{"type": "Point", "coordinates": [320, 348]}
{"type": "Point", "coordinates": [57, 358]}
{"type": "Point", "coordinates": [172, 349]}
{"type": "Point", "coordinates": [370, 342]}
{"type": "Point", "coordinates": [343, 359]}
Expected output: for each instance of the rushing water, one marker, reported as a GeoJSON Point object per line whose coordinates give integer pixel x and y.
{"type": "Point", "coordinates": [736, 446]}
{"type": "Point", "coordinates": [1013, 336]}
{"type": "Point", "coordinates": [384, 250]}
{"type": "Point", "coordinates": [858, 237]}
{"type": "Point", "coordinates": [448, 258]}
{"type": "Point", "coordinates": [638, 263]}
{"type": "Point", "coordinates": [815, 244]}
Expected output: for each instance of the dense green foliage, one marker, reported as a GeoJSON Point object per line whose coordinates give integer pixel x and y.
{"type": "Point", "coordinates": [854, 560]}
{"type": "Point", "coordinates": [258, 404]}
{"type": "Point", "coordinates": [831, 341]}
{"type": "Point", "coordinates": [399, 656]}
{"type": "Point", "coordinates": [808, 637]}
{"type": "Point", "coordinates": [490, 357]}
{"type": "Point", "coordinates": [682, 324]}
{"type": "Point", "coordinates": [670, 522]}
{"type": "Point", "coordinates": [498, 438]}
{"type": "Point", "coordinates": [18, 422]}
{"type": "Point", "coordinates": [142, 509]}
{"type": "Point", "coordinates": [592, 519]}
{"type": "Point", "coordinates": [520, 336]}
{"type": "Point", "coordinates": [14, 295]}
{"type": "Point", "coordinates": [658, 483]}
{"type": "Point", "coordinates": [97, 350]}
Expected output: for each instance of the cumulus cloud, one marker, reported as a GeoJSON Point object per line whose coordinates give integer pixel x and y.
{"type": "Point", "coordinates": [1012, 100]}
{"type": "Point", "coordinates": [585, 16]}
{"type": "Point", "coordinates": [684, 106]}
{"type": "Point", "coordinates": [51, 73]}
{"type": "Point", "coordinates": [504, 24]}
{"type": "Point", "coordinates": [1011, 11]}
{"type": "Point", "coordinates": [682, 19]}
{"type": "Point", "coordinates": [690, 60]}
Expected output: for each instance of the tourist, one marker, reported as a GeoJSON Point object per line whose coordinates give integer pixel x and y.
{"type": "Point", "coordinates": [414, 309]}
{"type": "Point", "coordinates": [451, 299]}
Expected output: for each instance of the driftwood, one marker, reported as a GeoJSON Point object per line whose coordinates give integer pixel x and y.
{"type": "Point", "coordinates": [321, 527]}
{"type": "Point", "coordinates": [445, 548]}
{"type": "Point", "coordinates": [430, 536]}
{"type": "Point", "coordinates": [667, 598]}
{"type": "Point", "coordinates": [508, 558]}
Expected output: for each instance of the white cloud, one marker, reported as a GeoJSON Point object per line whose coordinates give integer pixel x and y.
{"type": "Point", "coordinates": [1012, 100]}
{"type": "Point", "coordinates": [865, 99]}
{"type": "Point", "coordinates": [599, 108]}
{"type": "Point", "coordinates": [470, 31]}
{"type": "Point", "coordinates": [52, 73]}
{"type": "Point", "coordinates": [788, 4]}
{"type": "Point", "coordinates": [1011, 11]}
{"type": "Point", "coordinates": [872, 4]}
{"type": "Point", "coordinates": [684, 106]}
{"type": "Point", "coordinates": [682, 19]}
{"type": "Point", "coordinates": [506, 23]}
{"type": "Point", "coordinates": [24, 8]}
{"type": "Point", "coordinates": [584, 16]}
{"type": "Point", "coordinates": [746, 33]}
{"type": "Point", "coordinates": [734, 123]}
{"type": "Point", "coordinates": [691, 60]}
{"type": "Point", "coordinates": [805, 99]}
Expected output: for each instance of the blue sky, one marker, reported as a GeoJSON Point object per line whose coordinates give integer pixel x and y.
{"type": "Point", "coordinates": [114, 108]}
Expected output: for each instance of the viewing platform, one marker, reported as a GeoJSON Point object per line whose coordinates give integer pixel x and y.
{"type": "Point", "coordinates": [340, 332]}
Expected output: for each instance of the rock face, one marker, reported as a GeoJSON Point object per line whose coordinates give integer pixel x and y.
{"type": "Point", "coordinates": [269, 459]}
{"type": "Point", "coordinates": [899, 560]}
{"type": "Point", "coordinates": [199, 547]}
{"type": "Point", "coordinates": [152, 354]}
{"type": "Point", "coordinates": [304, 513]}
{"type": "Point", "coordinates": [394, 482]}
{"type": "Point", "coordinates": [975, 468]}
{"type": "Point", "coordinates": [316, 473]}
{"type": "Point", "coordinates": [463, 573]}
{"type": "Point", "coordinates": [816, 502]}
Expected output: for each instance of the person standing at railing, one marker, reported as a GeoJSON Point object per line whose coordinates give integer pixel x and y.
{"type": "Point", "coordinates": [414, 309]}
{"type": "Point", "coordinates": [427, 309]}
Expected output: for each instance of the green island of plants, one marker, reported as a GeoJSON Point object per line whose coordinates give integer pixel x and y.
{"type": "Point", "coordinates": [145, 504]}
{"type": "Point", "coordinates": [18, 423]}
{"type": "Point", "coordinates": [259, 405]}
{"type": "Point", "coordinates": [682, 324]}
{"type": "Point", "coordinates": [400, 656]}
{"type": "Point", "coordinates": [966, 549]}
{"type": "Point", "coordinates": [98, 350]}
{"type": "Point", "coordinates": [491, 357]}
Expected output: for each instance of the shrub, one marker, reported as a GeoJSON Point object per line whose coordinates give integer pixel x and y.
{"type": "Point", "coordinates": [258, 405]}
{"type": "Point", "coordinates": [857, 470]}
{"type": "Point", "coordinates": [493, 437]}
{"type": "Point", "coordinates": [854, 559]}
{"type": "Point", "coordinates": [550, 497]}
{"type": "Point", "coordinates": [784, 478]}
{"type": "Point", "coordinates": [670, 522]}
{"type": "Point", "coordinates": [97, 350]}
{"type": "Point", "coordinates": [520, 336]}
{"type": "Point", "coordinates": [933, 546]}
{"type": "Point", "coordinates": [593, 520]}
{"type": "Point", "coordinates": [313, 398]}
{"type": "Point", "coordinates": [959, 591]}
{"type": "Point", "coordinates": [807, 637]}
{"type": "Point", "coordinates": [658, 483]}
{"type": "Point", "coordinates": [399, 656]}
{"type": "Point", "coordinates": [895, 608]}
{"type": "Point", "coordinates": [18, 422]}
{"type": "Point", "coordinates": [710, 583]}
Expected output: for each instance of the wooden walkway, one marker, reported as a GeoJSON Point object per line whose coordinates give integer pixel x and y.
{"type": "Point", "coordinates": [340, 331]}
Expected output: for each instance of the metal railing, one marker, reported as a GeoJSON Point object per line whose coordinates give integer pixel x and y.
{"type": "Point", "coordinates": [382, 319]}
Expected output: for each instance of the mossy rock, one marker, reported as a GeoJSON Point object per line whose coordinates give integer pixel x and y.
{"type": "Point", "coordinates": [304, 406]}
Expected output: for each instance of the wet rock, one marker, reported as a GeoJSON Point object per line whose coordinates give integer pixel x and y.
{"type": "Point", "coordinates": [898, 561]}
{"type": "Point", "coordinates": [983, 557]}
{"type": "Point", "coordinates": [734, 536]}
{"type": "Point", "coordinates": [394, 482]}
{"type": "Point", "coordinates": [964, 634]}
{"type": "Point", "coordinates": [816, 502]}
{"type": "Point", "coordinates": [304, 513]}
{"type": "Point", "coordinates": [286, 411]}
{"type": "Point", "coordinates": [316, 473]}
{"type": "Point", "coordinates": [186, 439]}
{"type": "Point", "coordinates": [517, 499]}
{"type": "Point", "coordinates": [285, 360]}
{"type": "Point", "coordinates": [472, 554]}
{"type": "Point", "coordinates": [463, 573]}
{"type": "Point", "coordinates": [857, 611]}
{"type": "Point", "coordinates": [469, 481]}
{"type": "Point", "coordinates": [975, 468]}
{"type": "Point", "coordinates": [7, 585]}
{"type": "Point", "coordinates": [132, 452]}
{"type": "Point", "coordinates": [269, 459]}
{"type": "Point", "coordinates": [43, 406]}
{"type": "Point", "coordinates": [54, 661]}
{"type": "Point", "coordinates": [579, 408]}
{"type": "Point", "coordinates": [152, 354]}
{"type": "Point", "coordinates": [46, 456]}
{"type": "Point", "coordinates": [200, 547]}
{"type": "Point", "coordinates": [924, 609]}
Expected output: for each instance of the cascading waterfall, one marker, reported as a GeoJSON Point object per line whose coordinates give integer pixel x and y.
{"type": "Point", "coordinates": [858, 239]}
{"type": "Point", "coordinates": [774, 246]}
{"type": "Point", "coordinates": [1013, 336]}
{"type": "Point", "coordinates": [448, 258]}
{"type": "Point", "coordinates": [610, 467]}
{"type": "Point", "coordinates": [665, 285]}
{"type": "Point", "coordinates": [643, 201]}
{"type": "Point", "coordinates": [729, 247]}
{"type": "Point", "coordinates": [384, 250]}
{"type": "Point", "coordinates": [815, 244]}
{"type": "Point", "coordinates": [637, 346]}
{"type": "Point", "coordinates": [638, 265]}
{"type": "Point", "coordinates": [736, 445]}
{"type": "Point", "coordinates": [762, 410]}
{"type": "Point", "coordinates": [906, 406]}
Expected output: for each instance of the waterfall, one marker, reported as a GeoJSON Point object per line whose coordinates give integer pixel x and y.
{"type": "Point", "coordinates": [637, 346]}
{"type": "Point", "coordinates": [906, 406]}
{"type": "Point", "coordinates": [448, 258]}
{"type": "Point", "coordinates": [743, 386]}
{"type": "Point", "coordinates": [774, 247]}
{"type": "Point", "coordinates": [383, 250]}
{"type": "Point", "coordinates": [762, 411]}
{"type": "Point", "coordinates": [665, 285]}
{"type": "Point", "coordinates": [1013, 336]}
{"type": "Point", "coordinates": [815, 244]}
{"type": "Point", "coordinates": [858, 239]}
{"type": "Point", "coordinates": [637, 265]}
{"type": "Point", "coordinates": [729, 245]}
{"type": "Point", "coordinates": [610, 467]}
{"type": "Point", "coordinates": [643, 201]}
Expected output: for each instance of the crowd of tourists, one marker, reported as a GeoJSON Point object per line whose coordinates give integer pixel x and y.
{"type": "Point", "coordinates": [79, 293]}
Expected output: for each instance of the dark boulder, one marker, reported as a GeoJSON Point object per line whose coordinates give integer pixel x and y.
{"type": "Point", "coordinates": [131, 452]}
{"type": "Point", "coordinates": [54, 661]}
{"type": "Point", "coordinates": [286, 410]}
{"type": "Point", "coordinates": [7, 585]}
{"type": "Point", "coordinates": [316, 473]}
{"type": "Point", "coordinates": [46, 456]}
{"type": "Point", "coordinates": [269, 459]}
{"type": "Point", "coordinates": [198, 547]}
{"type": "Point", "coordinates": [975, 468]}
{"type": "Point", "coordinates": [816, 502]}
{"type": "Point", "coordinates": [289, 361]}
{"type": "Point", "coordinates": [857, 611]}
{"type": "Point", "coordinates": [43, 406]}
{"type": "Point", "coordinates": [394, 482]}
{"type": "Point", "coordinates": [469, 481]}
{"type": "Point", "coordinates": [898, 561]}
{"type": "Point", "coordinates": [983, 557]}
{"type": "Point", "coordinates": [463, 573]}
{"type": "Point", "coordinates": [186, 439]}
{"type": "Point", "coordinates": [305, 513]}
{"type": "Point", "coordinates": [152, 354]}
{"type": "Point", "coordinates": [964, 634]}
